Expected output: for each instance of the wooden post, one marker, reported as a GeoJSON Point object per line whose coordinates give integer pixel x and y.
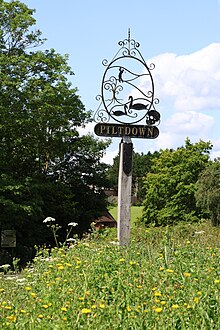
{"type": "Point", "coordinates": [124, 191]}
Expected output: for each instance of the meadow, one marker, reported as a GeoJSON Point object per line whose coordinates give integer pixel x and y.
{"type": "Point", "coordinates": [167, 278]}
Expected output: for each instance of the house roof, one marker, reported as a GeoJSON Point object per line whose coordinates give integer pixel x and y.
{"type": "Point", "coordinates": [106, 217]}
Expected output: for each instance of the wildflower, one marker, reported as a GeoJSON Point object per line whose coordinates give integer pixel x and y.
{"type": "Point", "coordinates": [86, 311]}
{"type": "Point", "coordinates": [33, 295]}
{"type": "Point", "coordinates": [73, 224]}
{"type": "Point", "coordinates": [2, 290]}
{"type": "Point", "coordinates": [196, 300]}
{"type": "Point", "coordinates": [170, 270]}
{"type": "Point", "coordinates": [199, 232]}
{"type": "Point", "coordinates": [23, 311]}
{"type": "Point", "coordinates": [157, 293]}
{"type": "Point", "coordinates": [48, 219]}
{"type": "Point", "coordinates": [186, 274]}
{"type": "Point", "coordinates": [163, 302]}
{"type": "Point", "coordinates": [40, 316]}
{"type": "Point", "coordinates": [45, 306]}
{"type": "Point", "coordinates": [11, 318]}
{"type": "Point", "coordinates": [128, 308]}
{"type": "Point", "coordinates": [28, 288]}
{"type": "Point", "coordinates": [102, 305]}
{"type": "Point", "coordinates": [5, 267]}
{"type": "Point", "coordinates": [175, 306]}
{"type": "Point", "coordinates": [64, 318]}
{"type": "Point", "coordinates": [161, 268]}
{"type": "Point", "coordinates": [158, 309]}
{"type": "Point", "coordinates": [63, 309]}
{"type": "Point", "coordinates": [216, 281]}
{"type": "Point", "coordinates": [70, 239]}
{"type": "Point", "coordinates": [122, 260]}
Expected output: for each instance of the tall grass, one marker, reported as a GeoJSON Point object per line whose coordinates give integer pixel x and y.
{"type": "Point", "coordinates": [166, 279]}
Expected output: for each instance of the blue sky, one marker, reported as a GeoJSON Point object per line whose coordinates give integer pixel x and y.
{"type": "Point", "coordinates": [182, 39]}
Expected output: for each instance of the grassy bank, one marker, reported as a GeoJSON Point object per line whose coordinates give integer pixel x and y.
{"type": "Point", "coordinates": [168, 278]}
{"type": "Point", "coordinates": [136, 213]}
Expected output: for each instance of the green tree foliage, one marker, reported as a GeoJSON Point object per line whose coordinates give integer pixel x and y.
{"type": "Point", "coordinates": [46, 169]}
{"type": "Point", "coordinates": [171, 184]}
{"type": "Point", "coordinates": [208, 191]}
{"type": "Point", "coordinates": [141, 164]}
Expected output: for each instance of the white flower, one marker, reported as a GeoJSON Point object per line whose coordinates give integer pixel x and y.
{"type": "Point", "coordinates": [199, 232]}
{"type": "Point", "coordinates": [5, 266]}
{"type": "Point", "coordinates": [48, 219]}
{"type": "Point", "coordinates": [70, 240]}
{"type": "Point", "coordinates": [73, 224]}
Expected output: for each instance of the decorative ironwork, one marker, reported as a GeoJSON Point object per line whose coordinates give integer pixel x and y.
{"type": "Point", "coordinates": [127, 89]}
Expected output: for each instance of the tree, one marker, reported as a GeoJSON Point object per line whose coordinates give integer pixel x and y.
{"type": "Point", "coordinates": [141, 164]}
{"type": "Point", "coordinates": [40, 110]}
{"type": "Point", "coordinates": [45, 166]}
{"type": "Point", "coordinates": [171, 185]}
{"type": "Point", "coordinates": [208, 191]}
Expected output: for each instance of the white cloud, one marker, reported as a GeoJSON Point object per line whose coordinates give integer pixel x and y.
{"type": "Point", "coordinates": [191, 82]}
{"type": "Point", "coordinates": [189, 122]}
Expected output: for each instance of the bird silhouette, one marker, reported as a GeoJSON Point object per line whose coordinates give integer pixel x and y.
{"type": "Point", "coordinates": [136, 106]}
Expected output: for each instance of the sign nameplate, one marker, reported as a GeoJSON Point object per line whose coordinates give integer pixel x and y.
{"type": "Point", "coordinates": [133, 131]}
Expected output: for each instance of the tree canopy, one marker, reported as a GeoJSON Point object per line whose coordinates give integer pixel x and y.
{"type": "Point", "coordinates": [208, 191]}
{"type": "Point", "coordinates": [46, 168]}
{"type": "Point", "coordinates": [171, 184]}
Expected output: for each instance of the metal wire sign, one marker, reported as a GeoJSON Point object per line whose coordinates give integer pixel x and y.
{"type": "Point", "coordinates": [127, 95]}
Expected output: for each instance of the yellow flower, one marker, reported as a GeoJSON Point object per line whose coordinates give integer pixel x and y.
{"type": "Point", "coordinates": [64, 318]}
{"type": "Point", "coordinates": [158, 309]}
{"type": "Point", "coordinates": [11, 318]}
{"type": "Point", "coordinates": [28, 288]}
{"type": "Point", "coordinates": [139, 286]}
{"type": "Point", "coordinates": [40, 316]}
{"type": "Point", "coordinates": [2, 290]}
{"type": "Point", "coordinates": [86, 311]}
{"type": "Point", "coordinates": [33, 294]}
{"type": "Point", "coordinates": [175, 306]}
{"type": "Point", "coordinates": [216, 281]}
{"type": "Point", "coordinates": [163, 302]}
{"type": "Point", "coordinates": [128, 308]}
{"type": "Point", "coordinates": [23, 311]}
{"type": "Point", "coordinates": [63, 309]}
{"type": "Point", "coordinates": [170, 270]}
{"type": "Point", "coordinates": [122, 260]}
{"type": "Point", "coordinates": [8, 307]}
{"type": "Point", "coordinates": [157, 293]}
{"type": "Point", "coordinates": [161, 268]}
{"type": "Point", "coordinates": [196, 300]}
{"type": "Point", "coordinates": [60, 268]}
{"type": "Point", "coordinates": [186, 274]}
{"type": "Point", "coordinates": [102, 305]}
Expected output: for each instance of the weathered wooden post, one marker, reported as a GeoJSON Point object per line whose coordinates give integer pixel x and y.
{"type": "Point", "coordinates": [123, 100]}
{"type": "Point", "coordinates": [124, 190]}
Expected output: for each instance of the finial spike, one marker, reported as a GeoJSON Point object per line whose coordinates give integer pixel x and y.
{"type": "Point", "coordinates": [129, 34]}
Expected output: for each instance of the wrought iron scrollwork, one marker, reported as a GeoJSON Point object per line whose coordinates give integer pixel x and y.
{"type": "Point", "coordinates": [127, 89]}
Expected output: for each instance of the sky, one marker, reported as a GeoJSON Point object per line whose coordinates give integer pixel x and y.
{"type": "Point", "coordinates": [182, 39]}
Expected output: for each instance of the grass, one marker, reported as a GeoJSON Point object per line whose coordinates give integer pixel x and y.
{"type": "Point", "coordinates": [167, 278]}
{"type": "Point", "coordinates": [136, 212]}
